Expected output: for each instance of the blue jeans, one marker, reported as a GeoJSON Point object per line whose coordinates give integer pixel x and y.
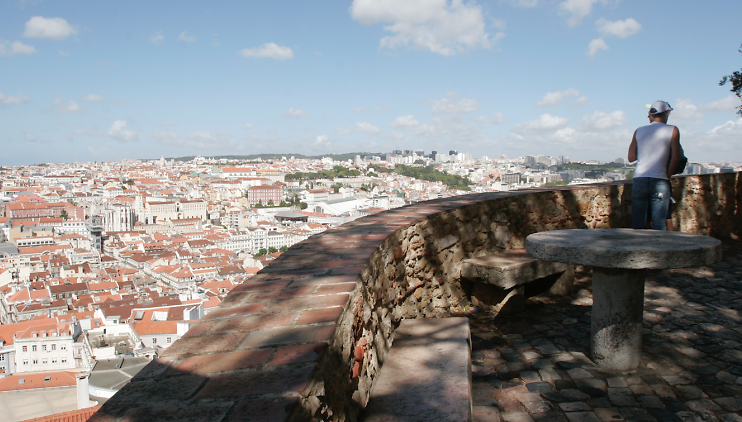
{"type": "Point", "coordinates": [652, 195]}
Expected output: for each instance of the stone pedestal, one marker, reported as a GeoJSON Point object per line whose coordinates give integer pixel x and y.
{"type": "Point", "coordinates": [617, 314]}
{"type": "Point", "coordinates": [619, 258]}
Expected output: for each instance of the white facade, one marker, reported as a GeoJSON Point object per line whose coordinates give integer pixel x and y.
{"type": "Point", "coordinates": [45, 353]}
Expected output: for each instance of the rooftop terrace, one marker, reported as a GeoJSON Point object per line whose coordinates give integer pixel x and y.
{"type": "Point", "coordinates": [304, 339]}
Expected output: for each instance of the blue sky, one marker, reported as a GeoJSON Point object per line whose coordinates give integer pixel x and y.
{"type": "Point", "coordinates": [101, 81]}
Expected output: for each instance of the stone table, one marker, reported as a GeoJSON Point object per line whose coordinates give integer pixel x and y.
{"type": "Point", "coordinates": [620, 259]}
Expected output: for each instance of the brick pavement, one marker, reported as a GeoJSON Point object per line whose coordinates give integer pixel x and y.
{"type": "Point", "coordinates": [535, 366]}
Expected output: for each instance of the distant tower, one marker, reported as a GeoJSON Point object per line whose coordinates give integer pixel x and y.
{"type": "Point", "coordinates": [162, 161]}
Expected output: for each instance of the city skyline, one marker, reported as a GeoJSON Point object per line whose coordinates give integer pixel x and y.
{"type": "Point", "coordinates": [98, 82]}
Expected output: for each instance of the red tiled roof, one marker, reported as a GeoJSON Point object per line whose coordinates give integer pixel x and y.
{"type": "Point", "coordinates": [37, 380]}
{"type": "Point", "coordinates": [80, 415]}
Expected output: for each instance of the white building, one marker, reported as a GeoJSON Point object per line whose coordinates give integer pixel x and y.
{"type": "Point", "coordinates": [44, 347]}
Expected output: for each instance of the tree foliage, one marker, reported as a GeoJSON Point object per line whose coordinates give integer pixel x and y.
{"type": "Point", "coordinates": [736, 79]}
{"type": "Point", "coordinates": [430, 174]}
{"type": "Point", "coordinates": [337, 171]}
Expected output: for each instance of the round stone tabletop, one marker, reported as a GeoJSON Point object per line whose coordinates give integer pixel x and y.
{"type": "Point", "coordinates": [625, 248]}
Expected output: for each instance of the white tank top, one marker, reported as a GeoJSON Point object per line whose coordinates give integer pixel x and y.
{"type": "Point", "coordinates": [653, 150]}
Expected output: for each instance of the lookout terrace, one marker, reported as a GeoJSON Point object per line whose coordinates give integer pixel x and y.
{"type": "Point", "coordinates": [306, 338]}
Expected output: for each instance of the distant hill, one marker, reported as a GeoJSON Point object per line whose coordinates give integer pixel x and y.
{"type": "Point", "coordinates": [267, 157]}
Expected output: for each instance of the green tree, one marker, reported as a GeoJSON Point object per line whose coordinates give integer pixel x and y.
{"type": "Point", "coordinates": [736, 79]}
{"type": "Point", "coordinates": [64, 215]}
{"type": "Point", "coordinates": [283, 249]}
{"type": "Point", "coordinates": [261, 252]}
{"type": "Point", "coordinates": [72, 202]}
{"type": "Point", "coordinates": [272, 250]}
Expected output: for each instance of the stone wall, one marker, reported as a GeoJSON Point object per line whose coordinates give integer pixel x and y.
{"type": "Point", "coordinates": [304, 339]}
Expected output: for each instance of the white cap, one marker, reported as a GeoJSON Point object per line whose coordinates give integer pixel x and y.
{"type": "Point", "coordinates": [659, 107]}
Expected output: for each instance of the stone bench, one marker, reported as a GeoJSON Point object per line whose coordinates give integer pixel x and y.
{"type": "Point", "coordinates": [499, 281]}
{"type": "Point", "coordinates": [426, 376]}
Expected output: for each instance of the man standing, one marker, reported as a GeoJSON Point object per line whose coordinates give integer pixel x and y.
{"type": "Point", "coordinates": [652, 147]}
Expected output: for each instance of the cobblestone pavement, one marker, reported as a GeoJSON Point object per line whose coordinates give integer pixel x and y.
{"type": "Point", "coordinates": [535, 366]}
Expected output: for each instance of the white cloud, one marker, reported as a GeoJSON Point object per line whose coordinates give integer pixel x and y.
{"type": "Point", "coordinates": [444, 27]}
{"type": "Point", "coordinates": [580, 101]}
{"type": "Point", "coordinates": [595, 46]}
{"type": "Point", "coordinates": [8, 48]}
{"type": "Point", "coordinates": [64, 53]}
{"type": "Point", "coordinates": [727, 104]}
{"type": "Point", "coordinates": [322, 142]}
{"type": "Point", "coordinates": [18, 99]}
{"type": "Point", "coordinates": [405, 122]}
{"type": "Point", "coordinates": [551, 99]}
{"type": "Point", "coordinates": [119, 133]}
{"type": "Point", "coordinates": [202, 140]}
{"type": "Point", "coordinates": [158, 38]}
{"type": "Point", "coordinates": [359, 109]}
{"type": "Point", "coordinates": [577, 9]}
{"type": "Point", "coordinates": [684, 109]}
{"type": "Point", "coordinates": [83, 132]}
{"type": "Point", "coordinates": [601, 121]}
{"type": "Point", "coordinates": [378, 107]}
{"type": "Point", "coordinates": [165, 135]}
{"type": "Point", "coordinates": [268, 51]}
{"type": "Point", "coordinates": [186, 38]}
{"type": "Point", "coordinates": [622, 29]}
{"type": "Point", "coordinates": [722, 141]}
{"type": "Point", "coordinates": [93, 98]}
{"type": "Point", "coordinates": [48, 28]}
{"type": "Point", "coordinates": [71, 107]}
{"type": "Point", "coordinates": [343, 131]}
{"type": "Point", "coordinates": [497, 118]}
{"type": "Point", "coordinates": [449, 105]}
{"type": "Point", "coordinates": [295, 114]}
{"type": "Point", "coordinates": [544, 123]}
{"type": "Point", "coordinates": [367, 128]}
{"type": "Point", "coordinates": [29, 137]}
{"type": "Point", "coordinates": [248, 126]}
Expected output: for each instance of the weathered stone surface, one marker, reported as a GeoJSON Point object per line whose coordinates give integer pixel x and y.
{"type": "Point", "coordinates": [510, 268]}
{"type": "Point", "coordinates": [425, 375]}
{"type": "Point", "coordinates": [625, 248]}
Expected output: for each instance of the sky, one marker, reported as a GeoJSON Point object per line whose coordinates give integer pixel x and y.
{"type": "Point", "coordinates": [85, 81]}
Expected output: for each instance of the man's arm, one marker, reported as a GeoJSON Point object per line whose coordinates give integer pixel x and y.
{"type": "Point", "coordinates": [675, 152]}
{"type": "Point", "coordinates": [632, 149]}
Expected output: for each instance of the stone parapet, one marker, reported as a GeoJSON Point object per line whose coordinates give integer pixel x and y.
{"type": "Point", "coordinates": [305, 338]}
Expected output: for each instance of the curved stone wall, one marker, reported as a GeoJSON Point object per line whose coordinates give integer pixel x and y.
{"type": "Point", "coordinates": [304, 339]}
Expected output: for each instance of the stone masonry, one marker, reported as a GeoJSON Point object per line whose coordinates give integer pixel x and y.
{"type": "Point", "coordinates": [304, 339]}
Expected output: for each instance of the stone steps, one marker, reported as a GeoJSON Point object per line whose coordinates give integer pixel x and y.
{"type": "Point", "coordinates": [426, 375]}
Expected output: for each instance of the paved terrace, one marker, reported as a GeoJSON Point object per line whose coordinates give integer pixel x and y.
{"type": "Point", "coordinates": [305, 338]}
{"type": "Point", "coordinates": [535, 366]}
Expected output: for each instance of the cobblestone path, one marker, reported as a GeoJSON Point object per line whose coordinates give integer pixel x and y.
{"type": "Point", "coordinates": [535, 366]}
